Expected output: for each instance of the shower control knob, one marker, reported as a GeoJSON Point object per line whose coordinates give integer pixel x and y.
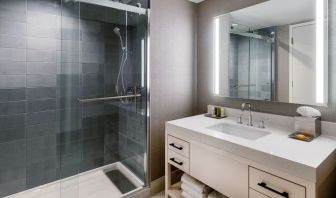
{"type": "Point", "coordinates": [261, 124]}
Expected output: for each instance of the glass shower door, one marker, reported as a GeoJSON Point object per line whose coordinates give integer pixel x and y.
{"type": "Point", "coordinates": [103, 86]}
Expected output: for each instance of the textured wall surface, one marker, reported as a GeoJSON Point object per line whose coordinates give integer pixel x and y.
{"type": "Point", "coordinates": [210, 8]}
{"type": "Point", "coordinates": [172, 29]}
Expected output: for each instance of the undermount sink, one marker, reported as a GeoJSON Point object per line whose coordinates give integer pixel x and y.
{"type": "Point", "coordinates": [245, 132]}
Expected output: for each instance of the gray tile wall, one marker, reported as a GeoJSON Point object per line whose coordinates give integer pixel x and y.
{"type": "Point", "coordinates": [45, 66]}
{"type": "Point", "coordinates": [211, 8]}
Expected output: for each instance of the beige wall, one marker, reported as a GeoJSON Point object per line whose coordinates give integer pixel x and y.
{"type": "Point", "coordinates": [172, 65]}
{"type": "Point", "coordinates": [210, 8]}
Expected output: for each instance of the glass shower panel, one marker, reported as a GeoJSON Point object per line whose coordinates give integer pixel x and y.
{"type": "Point", "coordinates": [251, 62]}
{"type": "Point", "coordinates": [261, 64]}
{"type": "Point", "coordinates": [104, 55]}
{"type": "Point", "coordinates": [239, 66]}
{"type": "Point", "coordinates": [68, 90]}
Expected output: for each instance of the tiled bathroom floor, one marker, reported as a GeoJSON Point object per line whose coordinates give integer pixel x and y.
{"type": "Point", "coordinates": [94, 184]}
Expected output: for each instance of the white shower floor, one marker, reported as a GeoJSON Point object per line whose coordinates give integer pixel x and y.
{"type": "Point", "coordinates": [91, 184]}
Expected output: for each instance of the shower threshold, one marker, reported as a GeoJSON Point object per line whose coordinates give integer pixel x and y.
{"type": "Point", "coordinates": [95, 183]}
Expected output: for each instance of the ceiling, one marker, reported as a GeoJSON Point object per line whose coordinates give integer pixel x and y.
{"type": "Point", "coordinates": [275, 13]}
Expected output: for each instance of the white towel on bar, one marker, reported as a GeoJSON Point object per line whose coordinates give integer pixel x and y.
{"type": "Point", "coordinates": [195, 184]}
{"type": "Point", "coordinates": [192, 192]}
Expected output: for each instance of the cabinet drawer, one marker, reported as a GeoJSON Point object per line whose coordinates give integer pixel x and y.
{"type": "Point", "coordinates": [255, 194]}
{"type": "Point", "coordinates": [274, 186]}
{"type": "Point", "coordinates": [178, 161]}
{"type": "Point", "coordinates": [179, 146]}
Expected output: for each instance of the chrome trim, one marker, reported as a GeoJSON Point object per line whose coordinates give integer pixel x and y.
{"type": "Point", "coordinates": [107, 98]}
{"type": "Point", "coordinates": [115, 5]}
{"type": "Point", "coordinates": [148, 153]}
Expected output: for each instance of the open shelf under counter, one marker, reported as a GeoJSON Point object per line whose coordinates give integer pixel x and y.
{"type": "Point", "coordinates": [175, 190]}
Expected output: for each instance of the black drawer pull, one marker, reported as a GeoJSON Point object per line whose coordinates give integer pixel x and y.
{"type": "Point", "coordinates": [264, 185]}
{"type": "Point", "coordinates": [177, 147]}
{"type": "Point", "coordinates": [173, 160]}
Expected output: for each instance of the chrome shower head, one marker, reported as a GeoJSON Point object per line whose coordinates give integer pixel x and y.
{"type": "Point", "coordinates": [116, 30]}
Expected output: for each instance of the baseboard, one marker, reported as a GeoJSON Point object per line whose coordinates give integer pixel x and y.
{"type": "Point", "coordinates": [157, 186]}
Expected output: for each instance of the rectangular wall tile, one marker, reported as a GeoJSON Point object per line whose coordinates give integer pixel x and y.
{"type": "Point", "coordinates": [15, 5]}
{"type": "Point", "coordinates": [12, 42]}
{"type": "Point", "coordinates": [46, 6]}
{"type": "Point", "coordinates": [41, 44]}
{"type": "Point", "coordinates": [12, 28]}
{"type": "Point", "coordinates": [41, 93]}
{"type": "Point", "coordinates": [41, 56]}
{"type": "Point", "coordinates": [8, 54]}
{"type": "Point", "coordinates": [10, 108]}
{"type": "Point", "coordinates": [40, 31]}
{"type": "Point", "coordinates": [44, 129]}
{"type": "Point", "coordinates": [10, 68]}
{"type": "Point", "coordinates": [7, 14]}
{"type": "Point", "coordinates": [12, 81]}
{"type": "Point", "coordinates": [41, 81]}
{"type": "Point", "coordinates": [12, 134]}
{"type": "Point", "coordinates": [41, 68]}
{"type": "Point", "coordinates": [7, 95]}
{"type": "Point", "coordinates": [12, 121]}
{"type": "Point", "coordinates": [38, 18]}
{"type": "Point", "coordinates": [41, 117]}
{"type": "Point", "coordinates": [41, 105]}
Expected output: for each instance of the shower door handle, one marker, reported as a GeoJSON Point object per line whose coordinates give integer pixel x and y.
{"type": "Point", "coordinates": [108, 98]}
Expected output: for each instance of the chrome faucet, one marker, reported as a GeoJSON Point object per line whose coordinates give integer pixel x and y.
{"type": "Point", "coordinates": [243, 108]}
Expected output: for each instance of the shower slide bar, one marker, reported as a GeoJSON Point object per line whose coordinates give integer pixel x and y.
{"type": "Point", "coordinates": [115, 5]}
{"type": "Point", "coordinates": [108, 98]}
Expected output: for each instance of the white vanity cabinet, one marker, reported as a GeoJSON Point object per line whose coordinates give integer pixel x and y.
{"type": "Point", "coordinates": [273, 166]}
{"type": "Point", "coordinates": [226, 173]}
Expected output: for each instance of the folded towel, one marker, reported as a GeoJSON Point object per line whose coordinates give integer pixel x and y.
{"type": "Point", "coordinates": [215, 194]}
{"type": "Point", "coordinates": [186, 195]}
{"type": "Point", "coordinates": [195, 184]}
{"type": "Point", "coordinates": [192, 192]}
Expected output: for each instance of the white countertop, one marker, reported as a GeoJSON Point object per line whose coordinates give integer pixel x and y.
{"type": "Point", "coordinates": [303, 159]}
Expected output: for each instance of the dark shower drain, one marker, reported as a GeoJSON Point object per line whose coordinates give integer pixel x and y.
{"type": "Point", "coordinates": [123, 184]}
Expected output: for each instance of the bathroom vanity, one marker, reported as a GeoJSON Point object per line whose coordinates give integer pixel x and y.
{"type": "Point", "coordinates": [242, 161]}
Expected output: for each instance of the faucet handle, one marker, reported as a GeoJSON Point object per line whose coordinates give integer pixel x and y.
{"type": "Point", "coordinates": [239, 120]}
{"type": "Point", "coordinates": [261, 124]}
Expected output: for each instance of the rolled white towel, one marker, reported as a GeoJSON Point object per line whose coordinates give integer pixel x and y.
{"type": "Point", "coordinates": [186, 195]}
{"type": "Point", "coordinates": [195, 184]}
{"type": "Point", "coordinates": [213, 195]}
{"type": "Point", "coordinates": [192, 192]}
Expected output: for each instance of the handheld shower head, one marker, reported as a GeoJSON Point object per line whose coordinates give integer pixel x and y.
{"type": "Point", "coordinates": [116, 30]}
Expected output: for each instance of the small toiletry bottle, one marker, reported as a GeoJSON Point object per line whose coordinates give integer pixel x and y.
{"type": "Point", "coordinates": [222, 110]}
{"type": "Point", "coordinates": [211, 109]}
{"type": "Point", "coordinates": [215, 112]}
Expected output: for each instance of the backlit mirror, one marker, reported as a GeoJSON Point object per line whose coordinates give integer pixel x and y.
{"type": "Point", "coordinates": [273, 51]}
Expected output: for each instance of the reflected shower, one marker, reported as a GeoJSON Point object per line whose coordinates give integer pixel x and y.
{"type": "Point", "coordinates": [116, 30]}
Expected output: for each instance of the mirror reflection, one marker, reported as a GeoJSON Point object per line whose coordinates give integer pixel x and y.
{"type": "Point", "coordinates": [273, 52]}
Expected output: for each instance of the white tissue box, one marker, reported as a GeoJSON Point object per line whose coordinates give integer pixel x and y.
{"type": "Point", "coordinates": [308, 125]}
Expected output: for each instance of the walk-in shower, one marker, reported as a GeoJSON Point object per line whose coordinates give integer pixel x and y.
{"type": "Point", "coordinates": [251, 62]}
{"type": "Point", "coordinates": [73, 98]}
